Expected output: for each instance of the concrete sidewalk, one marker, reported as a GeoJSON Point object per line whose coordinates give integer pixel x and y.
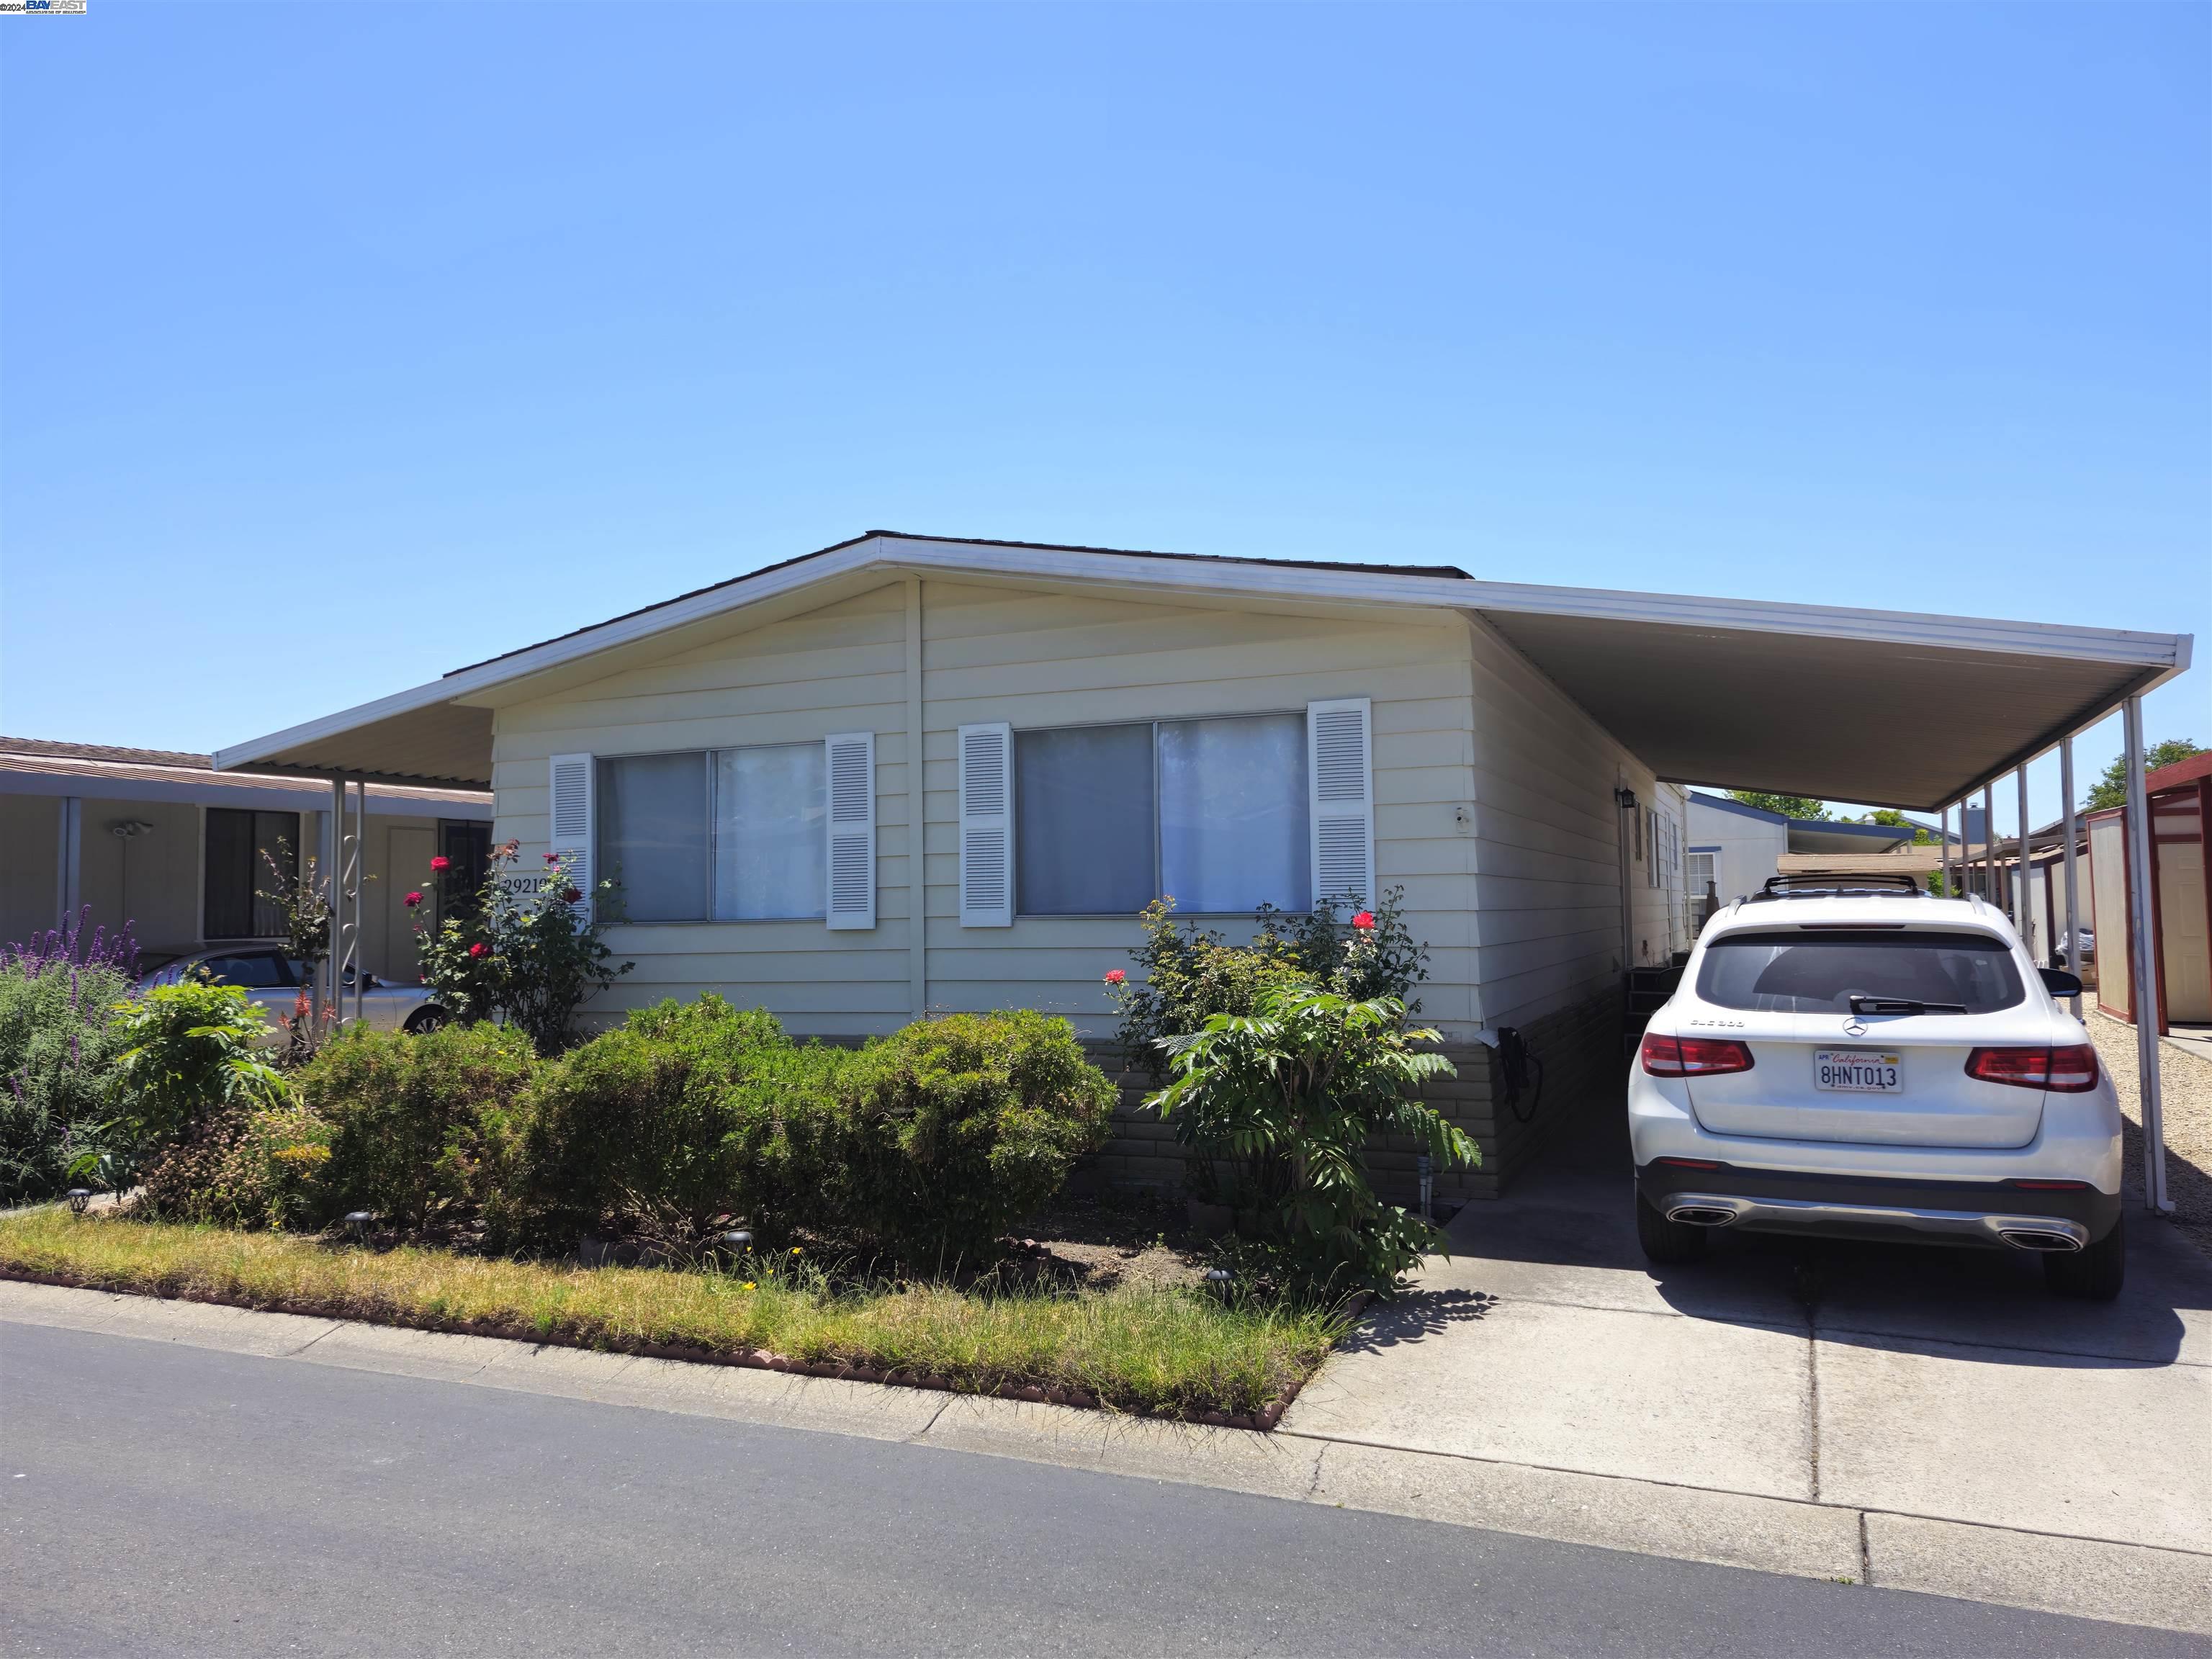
{"type": "Point", "coordinates": [1522, 1478]}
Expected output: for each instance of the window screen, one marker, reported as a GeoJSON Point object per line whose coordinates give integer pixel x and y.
{"type": "Point", "coordinates": [1812, 973]}
{"type": "Point", "coordinates": [1234, 822]}
{"type": "Point", "coordinates": [653, 834]}
{"type": "Point", "coordinates": [1084, 821]}
{"type": "Point", "coordinates": [769, 836]}
{"type": "Point", "coordinates": [241, 847]}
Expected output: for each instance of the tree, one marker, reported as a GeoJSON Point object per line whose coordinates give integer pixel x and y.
{"type": "Point", "coordinates": [1791, 806]}
{"type": "Point", "coordinates": [1922, 835]}
{"type": "Point", "coordinates": [2111, 789]}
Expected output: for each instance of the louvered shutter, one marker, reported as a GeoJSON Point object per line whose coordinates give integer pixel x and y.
{"type": "Point", "coordinates": [852, 901]}
{"type": "Point", "coordinates": [570, 815]}
{"type": "Point", "coordinates": [1341, 802]}
{"type": "Point", "coordinates": [986, 825]}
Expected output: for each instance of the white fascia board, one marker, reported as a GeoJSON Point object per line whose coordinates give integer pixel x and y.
{"type": "Point", "coordinates": [2165, 651]}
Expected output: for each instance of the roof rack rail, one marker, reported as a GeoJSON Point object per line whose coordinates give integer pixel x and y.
{"type": "Point", "coordinates": [1805, 883]}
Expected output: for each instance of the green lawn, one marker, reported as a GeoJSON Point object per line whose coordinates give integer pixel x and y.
{"type": "Point", "coordinates": [1134, 1349]}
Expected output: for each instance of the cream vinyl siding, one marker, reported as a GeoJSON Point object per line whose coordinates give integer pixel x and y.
{"type": "Point", "coordinates": [836, 669]}
{"type": "Point", "coordinates": [1545, 924]}
{"type": "Point", "coordinates": [1492, 792]}
{"type": "Point", "coordinates": [1043, 659]}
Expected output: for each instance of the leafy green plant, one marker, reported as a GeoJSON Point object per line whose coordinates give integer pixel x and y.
{"type": "Point", "coordinates": [57, 1054]}
{"type": "Point", "coordinates": [1289, 1095]}
{"type": "Point", "coordinates": [191, 1058]}
{"type": "Point", "coordinates": [522, 954]}
{"type": "Point", "coordinates": [1185, 976]}
{"type": "Point", "coordinates": [419, 1125]}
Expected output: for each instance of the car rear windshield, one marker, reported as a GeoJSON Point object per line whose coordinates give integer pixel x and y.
{"type": "Point", "coordinates": [1796, 973]}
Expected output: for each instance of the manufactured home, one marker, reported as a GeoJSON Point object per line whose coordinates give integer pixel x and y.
{"type": "Point", "coordinates": [908, 775]}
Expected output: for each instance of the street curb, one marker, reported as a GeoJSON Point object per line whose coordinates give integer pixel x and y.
{"type": "Point", "coordinates": [1261, 1421]}
{"type": "Point", "coordinates": [2078, 1577]}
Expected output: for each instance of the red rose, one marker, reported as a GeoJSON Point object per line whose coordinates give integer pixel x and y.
{"type": "Point", "coordinates": [412, 900]}
{"type": "Point", "coordinates": [479, 950]}
{"type": "Point", "coordinates": [570, 895]}
{"type": "Point", "coordinates": [441, 862]}
{"type": "Point", "coordinates": [1115, 975]}
{"type": "Point", "coordinates": [550, 858]}
{"type": "Point", "coordinates": [1364, 920]}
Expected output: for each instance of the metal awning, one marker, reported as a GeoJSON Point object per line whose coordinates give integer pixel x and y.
{"type": "Point", "coordinates": [1807, 700]}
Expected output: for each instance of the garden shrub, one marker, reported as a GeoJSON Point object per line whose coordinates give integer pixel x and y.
{"type": "Point", "coordinates": [929, 1143]}
{"type": "Point", "coordinates": [419, 1124]}
{"type": "Point", "coordinates": [961, 1126]}
{"type": "Point", "coordinates": [190, 1061]}
{"type": "Point", "coordinates": [248, 1167]}
{"type": "Point", "coordinates": [521, 954]}
{"type": "Point", "coordinates": [59, 1046]}
{"type": "Point", "coordinates": [1290, 1093]}
{"type": "Point", "coordinates": [638, 1130]}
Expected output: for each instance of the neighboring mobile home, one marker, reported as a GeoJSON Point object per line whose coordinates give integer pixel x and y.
{"type": "Point", "coordinates": [907, 775]}
{"type": "Point", "coordinates": [160, 841]}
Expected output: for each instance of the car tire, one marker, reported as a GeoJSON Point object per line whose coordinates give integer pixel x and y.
{"type": "Point", "coordinates": [429, 1017]}
{"type": "Point", "coordinates": [2095, 1274]}
{"type": "Point", "coordinates": [1663, 1241]}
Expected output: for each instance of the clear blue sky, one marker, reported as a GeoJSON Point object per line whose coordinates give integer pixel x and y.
{"type": "Point", "coordinates": [345, 345]}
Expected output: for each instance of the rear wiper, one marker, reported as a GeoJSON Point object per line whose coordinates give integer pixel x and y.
{"type": "Point", "coordinates": [1865, 1004]}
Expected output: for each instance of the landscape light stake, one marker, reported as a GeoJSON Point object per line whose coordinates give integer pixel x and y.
{"type": "Point", "coordinates": [356, 1223]}
{"type": "Point", "coordinates": [80, 1199]}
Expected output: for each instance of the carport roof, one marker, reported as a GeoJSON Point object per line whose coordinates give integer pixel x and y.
{"type": "Point", "coordinates": [1894, 708]}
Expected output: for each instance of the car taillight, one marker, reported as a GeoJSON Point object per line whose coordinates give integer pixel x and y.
{"type": "Point", "coordinates": [1681, 1056]}
{"type": "Point", "coordinates": [2070, 1070]}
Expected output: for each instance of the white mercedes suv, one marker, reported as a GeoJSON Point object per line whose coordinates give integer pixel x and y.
{"type": "Point", "coordinates": [1875, 1063]}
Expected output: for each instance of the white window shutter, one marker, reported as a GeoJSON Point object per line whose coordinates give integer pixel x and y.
{"type": "Point", "coordinates": [852, 862]}
{"type": "Point", "coordinates": [569, 813]}
{"type": "Point", "coordinates": [1340, 774]}
{"type": "Point", "coordinates": [986, 825]}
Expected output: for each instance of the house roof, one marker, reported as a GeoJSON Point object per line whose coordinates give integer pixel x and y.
{"type": "Point", "coordinates": [40, 766]}
{"type": "Point", "coordinates": [1794, 698]}
{"type": "Point", "coordinates": [1740, 808]}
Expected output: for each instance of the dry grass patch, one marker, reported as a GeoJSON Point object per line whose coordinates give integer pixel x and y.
{"type": "Point", "coordinates": [1145, 1348]}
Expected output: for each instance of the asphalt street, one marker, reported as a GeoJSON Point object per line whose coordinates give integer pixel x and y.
{"type": "Point", "coordinates": [164, 1499]}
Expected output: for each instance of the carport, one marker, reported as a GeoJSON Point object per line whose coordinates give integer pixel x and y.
{"type": "Point", "coordinates": [1895, 709]}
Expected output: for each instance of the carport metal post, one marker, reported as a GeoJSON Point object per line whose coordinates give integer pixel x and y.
{"type": "Point", "coordinates": [2142, 969]}
{"type": "Point", "coordinates": [2023, 904]}
{"type": "Point", "coordinates": [336, 917]}
{"type": "Point", "coordinates": [1990, 843]}
{"type": "Point", "coordinates": [2066, 828]}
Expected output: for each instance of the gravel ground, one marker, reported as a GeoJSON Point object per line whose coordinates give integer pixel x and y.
{"type": "Point", "coordinates": [2187, 1096]}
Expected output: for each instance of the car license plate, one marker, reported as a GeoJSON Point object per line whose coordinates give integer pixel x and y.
{"type": "Point", "coordinates": [1858, 1070]}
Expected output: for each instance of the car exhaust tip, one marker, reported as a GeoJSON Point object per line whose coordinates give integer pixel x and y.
{"type": "Point", "coordinates": [2035, 1238]}
{"type": "Point", "coordinates": [1701, 1215]}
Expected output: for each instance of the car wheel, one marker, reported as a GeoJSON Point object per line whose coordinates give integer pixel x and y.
{"type": "Point", "coordinates": [2095, 1274]}
{"type": "Point", "coordinates": [1665, 1241]}
{"type": "Point", "coordinates": [429, 1017]}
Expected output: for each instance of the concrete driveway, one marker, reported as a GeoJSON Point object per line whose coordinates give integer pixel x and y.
{"type": "Point", "coordinates": [1900, 1383]}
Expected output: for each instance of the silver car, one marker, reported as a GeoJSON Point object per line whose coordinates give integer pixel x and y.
{"type": "Point", "coordinates": [271, 981]}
